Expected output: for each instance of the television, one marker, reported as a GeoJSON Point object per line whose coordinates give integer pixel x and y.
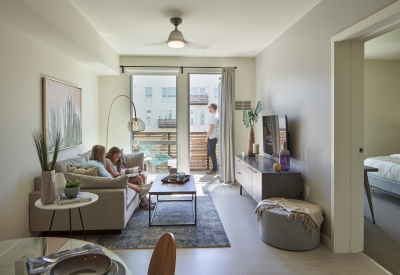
{"type": "Point", "coordinates": [275, 133]}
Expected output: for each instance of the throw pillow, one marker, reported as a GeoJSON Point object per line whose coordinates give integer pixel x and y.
{"type": "Point", "coordinates": [82, 171]}
{"type": "Point", "coordinates": [101, 170]}
{"type": "Point", "coordinates": [123, 161]}
{"type": "Point", "coordinates": [133, 160]}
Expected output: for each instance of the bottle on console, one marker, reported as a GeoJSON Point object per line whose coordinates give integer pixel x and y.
{"type": "Point", "coordinates": [284, 158]}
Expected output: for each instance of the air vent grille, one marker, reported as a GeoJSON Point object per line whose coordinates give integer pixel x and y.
{"type": "Point", "coordinates": [242, 105]}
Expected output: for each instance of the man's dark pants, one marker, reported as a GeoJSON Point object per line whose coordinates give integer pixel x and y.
{"type": "Point", "coordinates": [211, 147]}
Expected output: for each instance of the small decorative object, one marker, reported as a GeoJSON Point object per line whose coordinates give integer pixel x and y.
{"type": "Point", "coordinates": [284, 157]}
{"type": "Point", "coordinates": [243, 154]}
{"type": "Point", "coordinates": [72, 188]}
{"type": "Point", "coordinates": [181, 176]}
{"type": "Point", "coordinates": [277, 167]}
{"type": "Point", "coordinates": [136, 147]}
{"type": "Point", "coordinates": [47, 194]}
{"type": "Point", "coordinates": [59, 184]}
{"type": "Point", "coordinates": [256, 149]}
{"type": "Point", "coordinates": [249, 118]}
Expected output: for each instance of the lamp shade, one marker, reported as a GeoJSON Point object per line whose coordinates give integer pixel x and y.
{"type": "Point", "coordinates": [175, 39]}
{"type": "Point", "coordinates": [136, 125]}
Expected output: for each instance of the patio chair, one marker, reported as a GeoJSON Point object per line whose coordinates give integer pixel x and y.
{"type": "Point", "coordinates": [157, 156]}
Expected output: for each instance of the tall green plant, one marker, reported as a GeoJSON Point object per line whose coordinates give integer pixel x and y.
{"type": "Point", "coordinates": [251, 116]}
{"type": "Point", "coordinates": [39, 139]}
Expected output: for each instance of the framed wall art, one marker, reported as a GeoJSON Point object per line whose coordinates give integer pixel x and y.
{"type": "Point", "coordinates": [62, 109]}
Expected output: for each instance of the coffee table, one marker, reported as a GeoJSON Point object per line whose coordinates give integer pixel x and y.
{"type": "Point", "coordinates": [164, 189]}
{"type": "Point", "coordinates": [14, 253]}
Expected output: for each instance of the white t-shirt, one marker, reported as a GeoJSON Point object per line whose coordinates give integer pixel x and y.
{"type": "Point", "coordinates": [214, 119]}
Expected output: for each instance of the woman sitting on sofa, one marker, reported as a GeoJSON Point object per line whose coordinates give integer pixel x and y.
{"type": "Point", "coordinates": [113, 164]}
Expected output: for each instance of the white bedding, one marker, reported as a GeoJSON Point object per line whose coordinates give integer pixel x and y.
{"type": "Point", "coordinates": [387, 169]}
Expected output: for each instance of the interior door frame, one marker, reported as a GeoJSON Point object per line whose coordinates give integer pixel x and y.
{"type": "Point", "coordinates": [347, 127]}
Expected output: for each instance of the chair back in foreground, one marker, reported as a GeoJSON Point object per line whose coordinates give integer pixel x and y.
{"type": "Point", "coordinates": [163, 259]}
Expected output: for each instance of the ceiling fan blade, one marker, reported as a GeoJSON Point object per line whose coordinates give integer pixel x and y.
{"type": "Point", "coordinates": [155, 44]}
{"type": "Point", "coordinates": [195, 45]}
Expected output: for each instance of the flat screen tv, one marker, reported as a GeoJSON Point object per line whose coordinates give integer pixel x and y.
{"type": "Point", "coordinates": [275, 133]}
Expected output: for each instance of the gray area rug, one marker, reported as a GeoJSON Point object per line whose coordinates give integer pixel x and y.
{"type": "Point", "coordinates": [382, 240]}
{"type": "Point", "coordinates": [208, 232]}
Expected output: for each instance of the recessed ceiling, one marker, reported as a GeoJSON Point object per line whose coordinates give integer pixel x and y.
{"type": "Point", "coordinates": [384, 47]}
{"type": "Point", "coordinates": [222, 28]}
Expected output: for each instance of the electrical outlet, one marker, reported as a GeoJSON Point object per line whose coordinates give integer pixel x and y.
{"type": "Point", "coordinates": [307, 191]}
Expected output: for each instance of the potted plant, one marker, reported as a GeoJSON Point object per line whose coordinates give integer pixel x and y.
{"type": "Point", "coordinates": [249, 118]}
{"type": "Point", "coordinates": [72, 188]}
{"type": "Point", "coordinates": [47, 195]}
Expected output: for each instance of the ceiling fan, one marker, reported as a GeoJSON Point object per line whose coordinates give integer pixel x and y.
{"type": "Point", "coordinates": [176, 40]}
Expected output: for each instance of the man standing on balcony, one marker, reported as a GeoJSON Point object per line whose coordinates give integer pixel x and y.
{"type": "Point", "coordinates": [212, 138]}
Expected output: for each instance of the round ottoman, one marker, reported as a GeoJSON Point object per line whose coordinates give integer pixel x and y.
{"type": "Point", "coordinates": [278, 231]}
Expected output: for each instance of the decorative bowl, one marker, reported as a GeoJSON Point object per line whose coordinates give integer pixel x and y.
{"type": "Point", "coordinates": [83, 264]}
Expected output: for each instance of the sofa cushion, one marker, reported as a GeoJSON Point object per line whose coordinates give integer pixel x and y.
{"type": "Point", "coordinates": [99, 182]}
{"type": "Point", "coordinates": [61, 166]}
{"type": "Point", "coordinates": [133, 160]}
{"type": "Point", "coordinates": [91, 171]}
{"type": "Point", "coordinates": [86, 155]}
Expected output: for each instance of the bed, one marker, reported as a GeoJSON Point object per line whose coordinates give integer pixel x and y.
{"type": "Point", "coordinates": [388, 177]}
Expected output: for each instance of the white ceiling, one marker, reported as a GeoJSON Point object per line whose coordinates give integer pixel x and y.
{"type": "Point", "coordinates": [384, 47]}
{"type": "Point", "coordinates": [225, 28]}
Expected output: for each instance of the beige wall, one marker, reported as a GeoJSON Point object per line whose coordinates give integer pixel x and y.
{"type": "Point", "coordinates": [381, 108]}
{"type": "Point", "coordinates": [111, 86]}
{"type": "Point", "coordinates": [24, 62]}
{"type": "Point", "coordinates": [293, 77]}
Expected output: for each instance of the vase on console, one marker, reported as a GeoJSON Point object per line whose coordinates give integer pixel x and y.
{"type": "Point", "coordinates": [250, 152]}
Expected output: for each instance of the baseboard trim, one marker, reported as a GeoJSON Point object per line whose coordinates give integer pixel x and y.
{"type": "Point", "coordinates": [326, 241]}
{"type": "Point", "coordinates": [80, 233]}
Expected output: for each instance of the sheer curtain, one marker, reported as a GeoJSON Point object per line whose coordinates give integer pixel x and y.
{"type": "Point", "coordinates": [226, 106]}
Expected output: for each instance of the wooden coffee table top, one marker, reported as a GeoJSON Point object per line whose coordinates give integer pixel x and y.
{"type": "Point", "coordinates": [160, 188]}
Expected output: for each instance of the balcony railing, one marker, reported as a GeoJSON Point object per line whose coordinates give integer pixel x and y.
{"type": "Point", "coordinates": [198, 99]}
{"type": "Point", "coordinates": [166, 123]}
{"type": "Point", "coordinates": [166, 142]}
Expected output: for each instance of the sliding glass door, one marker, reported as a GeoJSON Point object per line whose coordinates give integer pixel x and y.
{"type": "Point", "coordinates": [155, 98]}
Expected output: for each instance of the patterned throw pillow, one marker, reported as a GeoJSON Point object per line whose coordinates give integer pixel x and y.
{"type": "Point", "coordinates": [123, 161]}
{"type": "Point", "coordinates": [82, 171]}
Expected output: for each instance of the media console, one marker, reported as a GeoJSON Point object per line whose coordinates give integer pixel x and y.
{"type": "Point", "coordinates": [259, 179]}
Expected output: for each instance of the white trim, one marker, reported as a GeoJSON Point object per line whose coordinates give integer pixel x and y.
{"type": "Point", "coordinates": [347, 84]}
{"type": "Point", "coordinates": [326, 241]}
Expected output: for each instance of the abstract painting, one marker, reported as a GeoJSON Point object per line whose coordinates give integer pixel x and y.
{"type": "Point", "coordinates": [62, 110]}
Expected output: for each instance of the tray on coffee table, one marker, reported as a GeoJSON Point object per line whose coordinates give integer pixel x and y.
{"type": "Point", "coordinates": [168, 180]}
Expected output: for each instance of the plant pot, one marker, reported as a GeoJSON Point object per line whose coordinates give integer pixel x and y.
{"type": "Point", "coordinates": [250, 144]}
{"type": "Point", "coordinates": [47, 195]}
{"type": "Point", "coordinates": [71, 193]}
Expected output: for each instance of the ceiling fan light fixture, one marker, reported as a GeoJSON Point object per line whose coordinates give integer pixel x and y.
{"type": "Point", "coordinates": [175, 39]}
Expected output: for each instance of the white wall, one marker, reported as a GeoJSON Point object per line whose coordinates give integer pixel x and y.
{"type": "Point", "coordinates": [381, 108]}
{"type": "Point", "coordinates": [24, 62]}
{"type": "Point", "coordinates": [293, 77]}
{"type": "Point", "coordinates": [111, 86]}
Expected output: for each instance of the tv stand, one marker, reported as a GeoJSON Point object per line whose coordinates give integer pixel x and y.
{"type": "Point", "coordinates": [259, 179]}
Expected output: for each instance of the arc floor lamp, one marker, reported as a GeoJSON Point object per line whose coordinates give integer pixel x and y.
{"type": "Point", "coordinates": [134, 125]}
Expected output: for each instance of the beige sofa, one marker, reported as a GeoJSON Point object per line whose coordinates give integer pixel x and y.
{"type": "Point", "coordinates": [111, 212]}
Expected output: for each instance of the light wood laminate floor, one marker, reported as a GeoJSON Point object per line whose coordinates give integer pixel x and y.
{"type": "Point", "coordinates": [248, 254]}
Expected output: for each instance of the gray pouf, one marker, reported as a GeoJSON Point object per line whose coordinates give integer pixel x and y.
{"type": "Point", "coordinates": [278, 231]}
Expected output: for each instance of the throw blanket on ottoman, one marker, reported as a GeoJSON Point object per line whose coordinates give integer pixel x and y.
{"type": "Point", "coordinates": [310, 214]}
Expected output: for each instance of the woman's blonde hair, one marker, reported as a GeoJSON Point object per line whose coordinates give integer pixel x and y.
{"type": "Point", "coordinates": [98, 153]}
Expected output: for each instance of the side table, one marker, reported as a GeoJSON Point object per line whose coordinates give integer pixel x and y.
{"type": "Point", "coordinates": [55, 207]}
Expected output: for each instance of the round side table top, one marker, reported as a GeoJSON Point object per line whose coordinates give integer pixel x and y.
{"type": "Point", "coordinates": [55, 206]}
